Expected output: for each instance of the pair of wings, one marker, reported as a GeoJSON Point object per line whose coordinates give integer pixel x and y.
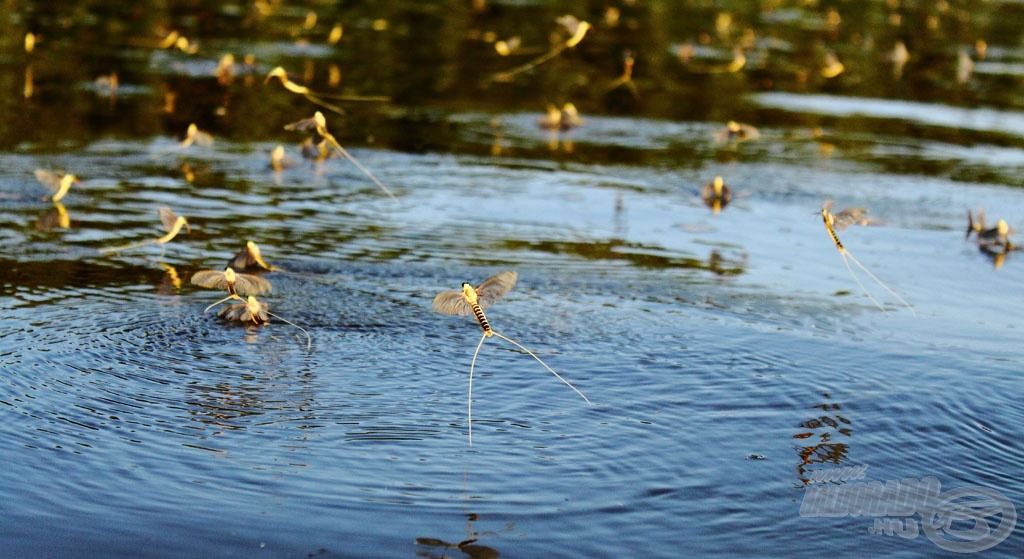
{"type": "Point", "coordinates": [250, 258]}
{"type": "Point", "coordinates": [168, 218]}
{"type": "Point", "coordinates": [492, 289]}
{"type": "Point", "coordinates": [242, 313]}
{"type": "Point", "coordinates": [845, 218]}
{"type": "Point", "coordinates": [49, 179]}
{"type": "Point", "coordinates": [245, 284]}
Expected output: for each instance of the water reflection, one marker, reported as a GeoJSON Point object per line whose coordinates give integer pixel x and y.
{"type": "Point", "coordinates": [469, 546]}
{"type": "Point", "coordinates": [823, 439]}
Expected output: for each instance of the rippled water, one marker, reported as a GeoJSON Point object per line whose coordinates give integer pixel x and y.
{"type": "Point", "coordinates": [727, 356]}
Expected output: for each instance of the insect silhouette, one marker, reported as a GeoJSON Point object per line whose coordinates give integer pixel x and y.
{"type": "Point", "coordinates": [317, 126]}
{"type": "Point", "coordinates": [172, 223]}
{"type": "Point", "coordinates": [234, 283]}
{"type": "Point", "coordinates": [716, 194]}
{"type": "Point", "coordinates": [472, 301]}
{"type": "Point", "coordinates": [254, 312]}
{"type": "Point", "coordinates": [841, 220]}
{"type": "Point", "coordinates": [58, 183]}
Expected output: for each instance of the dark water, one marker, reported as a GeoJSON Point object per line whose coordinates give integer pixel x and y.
{"type": "Point", "coordinates": [727, 356]}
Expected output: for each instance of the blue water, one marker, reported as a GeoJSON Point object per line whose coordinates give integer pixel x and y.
{"type": "Point", "coordinates": [727, 357]}
{"type": "Point", "coordinates": [133, 421]}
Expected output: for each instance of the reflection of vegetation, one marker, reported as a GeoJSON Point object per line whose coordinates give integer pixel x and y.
{"type": "Point", "coordinates": [817, 444]}
{"type": "Point", "coordinates": [634, 253]}
{"type": "Point", "coordinates": [440, 54]}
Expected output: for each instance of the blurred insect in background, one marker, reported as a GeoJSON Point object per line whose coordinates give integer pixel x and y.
{"type": "Point", "coordinates": [172, 223]}
{"type": "Point", "coordinates": [576, 28]}
{"type": "Point", "coordinates": [278, 160]}
{"type": "Point", "coordinates": [317, 126]}
{"type": "Point", "coordinates": [318, 98]}
{"type": "Point", "coordinates": [58, 183]}
{"type": "Point", "coordinates": [193, 135]}
{"type": "Point", "coordinates": [716, 194]}
{"type": "Point", "coordinates": [975, 226]}
{"type": "Point", "coordinates": [841, 220]}
{"type": "Point", "coordinates": [472, 301]}
{"type": "Point", "coordinates": [565, 119]}
{"type": "Point", "coordinates": [736, 132]}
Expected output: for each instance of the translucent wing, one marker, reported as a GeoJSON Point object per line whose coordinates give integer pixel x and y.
{"type": "Point", "coordinates": [242, 312]}
{"type": "Point", "coordinates": [251, 285]}
{"type": "Point", "coordinates": [210, 279]}
{"type": "Point", "coordinates": [305, 125]}
{"type": "Point", "coordinates": [251, 259]}
{"type": "Point", "coordinates": [245, 284]}
{"type": "Point", "coordinates": [452, 302]}
{"type": "Point", "coordinates": [48, 179]}
{"type": "Point", "coordinates": [851, 216]}
{"type": "Point", "coordinates": [167, 217]}
{"type": "Point", "coordinates": [827, 205]}
{"type": "Point", "coordinates": [495, 287]}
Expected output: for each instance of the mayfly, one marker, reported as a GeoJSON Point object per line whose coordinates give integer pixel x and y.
{"type": "Point", "coordinates": [998, 236]}
{"type": "Point", "coordinates": [317, 125]}
{"type": "Point", "coordinates": [252, 311]}
{"type": "Point", "coordinates": [626, 79]}
{"type": "Point", "coordinates": [315, 97]}
{"type": "Point", "coordinates": [736, 132]}
{"type": "Point", "coordinates": [841, 220]}
{"type": "Point", "coordinates": [576, 28]}
{"type": "Point", "coordinates": [565, 119]}
{"type": "Point", "coordinates": [234, 283]}
{"type": "Point", "coordinates": [716, 194]}
{"type": "Point", "coordinates": [250, 259]}
{"type": "Point", "coordinates": [278, 160]}
{"type": "Point", "coordinates": [193, 135]}
{"type": "Point", "coordinates": [58, 183]}
{"type": "Point", "coordinates": [472, 301]}
{"type": "Point", "coordinates": [172, 225]}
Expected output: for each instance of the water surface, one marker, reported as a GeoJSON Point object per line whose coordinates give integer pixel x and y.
{"type": "Point", "coordinates": [727, 356]}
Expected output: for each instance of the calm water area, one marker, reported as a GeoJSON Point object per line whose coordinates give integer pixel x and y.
{"type": "Point", "coordinates": [731, 358]}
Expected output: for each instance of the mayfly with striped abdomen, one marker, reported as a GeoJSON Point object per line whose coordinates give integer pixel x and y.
{"type": "Point", "coordinates": [472, 301]}
{"type": "Point", "coordinates": [841, 220]}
